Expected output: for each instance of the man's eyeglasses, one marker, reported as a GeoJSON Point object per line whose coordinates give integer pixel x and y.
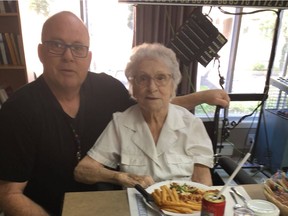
{"type": "Point", "coordinates": [59, 48]}
{"type": "Point", "coordinates": [159, 79]}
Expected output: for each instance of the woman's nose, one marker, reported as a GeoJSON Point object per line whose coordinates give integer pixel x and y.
{"type": "Point", "coordinates": [152, 83]}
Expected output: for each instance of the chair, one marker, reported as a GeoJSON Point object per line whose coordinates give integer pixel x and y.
{"type": "Point", "coordinates": [226, 163]}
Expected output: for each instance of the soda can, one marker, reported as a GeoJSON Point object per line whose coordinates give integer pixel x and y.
{"type": "Point", "coordinates": [211, 205]}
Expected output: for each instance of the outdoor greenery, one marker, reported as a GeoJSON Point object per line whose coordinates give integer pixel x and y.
{"type": "Point", "coordinates": [240, 108]}
{"type": "Point", "coordinates": [267, 27]}
{"type": "Point", "coordinates": [259, 67]}
{"type": "Point", "coordinates": [40, 6]}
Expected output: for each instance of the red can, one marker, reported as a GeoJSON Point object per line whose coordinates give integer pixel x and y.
{"type": "Point", "coordinates": [211, 205]}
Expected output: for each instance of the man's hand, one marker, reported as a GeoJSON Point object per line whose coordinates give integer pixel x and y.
{"type": "Point", "coordinates": [211, 97]}
{"type": "Point", "coordinates": [215, 97]}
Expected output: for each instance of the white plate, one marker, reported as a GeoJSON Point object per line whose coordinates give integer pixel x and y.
{"type": "Point", "coordinates": [180, 182]}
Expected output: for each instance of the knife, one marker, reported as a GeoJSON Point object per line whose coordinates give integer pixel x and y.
{"type": "Point", "coordinates": [149, 199]}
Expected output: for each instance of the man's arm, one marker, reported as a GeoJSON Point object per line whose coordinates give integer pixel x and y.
{"type": "Point", "coordinates": [14, 203]}
{"type": "Point", "coordinates": [211, 97]}
{"type": "Point", "coordinates": [90, 171]}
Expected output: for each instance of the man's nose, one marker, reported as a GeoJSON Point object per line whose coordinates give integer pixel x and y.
{"type": "Point", "coordinates": [68, 53]}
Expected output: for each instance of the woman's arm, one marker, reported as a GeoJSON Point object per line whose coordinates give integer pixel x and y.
{"type": "Point", "coordinates": [89, 171]}
{"type": "Point", "coordinates": [211, 97]}
{"type": "Point", "coordinates": [202, 175]}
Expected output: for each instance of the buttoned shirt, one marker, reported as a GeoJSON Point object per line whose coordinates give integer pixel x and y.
{"type": "Point", "coordinates": [128, 143]}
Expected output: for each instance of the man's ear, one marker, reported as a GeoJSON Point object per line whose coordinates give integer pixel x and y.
{"type": "Point", "coordinates": [90, 56]}
{"type": "Point", "coordinates": [40, 52]}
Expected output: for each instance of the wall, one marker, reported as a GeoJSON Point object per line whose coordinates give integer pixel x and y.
{"type": "Point", "coordinates": [238, 138]}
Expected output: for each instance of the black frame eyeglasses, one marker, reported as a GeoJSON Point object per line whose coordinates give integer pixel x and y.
{"type": "Point", "coordinates": [59, 48]}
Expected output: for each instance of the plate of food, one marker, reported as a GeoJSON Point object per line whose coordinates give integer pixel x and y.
{"type": "Point", "coordinates": [276, 191]}
{"type": "Point", "coordinates": [176, 197]}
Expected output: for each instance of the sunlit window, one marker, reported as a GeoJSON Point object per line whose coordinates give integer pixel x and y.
{"type": "Point", "coordinates": [33, 14]}
{"type": "Point", "coordinates": [110, 26]}
{"type": "Point", "coordinates": [111, 33]}
{"type": "Point", "coordinates": [111, 29]}
{"type": "Point", "coordinates": [244, 59]}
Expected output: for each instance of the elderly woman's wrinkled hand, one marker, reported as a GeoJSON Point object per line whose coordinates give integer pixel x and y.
{"type": "Point", "coordinates": [130, 180]}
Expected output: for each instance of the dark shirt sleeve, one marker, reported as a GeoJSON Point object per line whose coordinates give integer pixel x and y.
{"type": "Point", "coordinates": [16, 155]}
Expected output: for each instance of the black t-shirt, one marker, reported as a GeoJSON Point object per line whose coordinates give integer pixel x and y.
{"type": "Point", "coordinates": [36, 141]}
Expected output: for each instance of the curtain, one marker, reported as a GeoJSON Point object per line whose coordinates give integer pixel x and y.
{"type": "Point", "coordinates": [159, 23]}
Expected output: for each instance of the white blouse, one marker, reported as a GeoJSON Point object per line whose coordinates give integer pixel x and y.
{"type": "Point", "coordinates": [128, 143]}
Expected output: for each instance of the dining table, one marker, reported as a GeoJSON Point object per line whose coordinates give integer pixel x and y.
{"type": "Point", "coordinates": [116, 203]}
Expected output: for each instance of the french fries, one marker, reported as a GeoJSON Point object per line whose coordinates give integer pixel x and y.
{"type": "Point", "coordinates": [169, 199]}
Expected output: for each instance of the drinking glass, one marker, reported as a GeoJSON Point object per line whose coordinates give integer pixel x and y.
{"type": "Point", "coordinates": [243, 212]}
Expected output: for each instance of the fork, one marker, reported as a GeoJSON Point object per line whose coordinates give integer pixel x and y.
{"type": "Point", "coordinates": [237, 205]}
{"type": "Point", "coordinates": [239, 195]}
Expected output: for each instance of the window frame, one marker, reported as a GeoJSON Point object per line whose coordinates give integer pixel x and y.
{"type": "Point", "coordinates": [235, 36]}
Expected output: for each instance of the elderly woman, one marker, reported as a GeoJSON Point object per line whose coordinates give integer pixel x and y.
{"type": "Point", "coordinates": [153, 140]}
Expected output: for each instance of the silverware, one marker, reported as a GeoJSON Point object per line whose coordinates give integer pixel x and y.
{"type": "Point", "coordinates": [149, 199]}
{"type": "Point", "coordinates": [237, 205]}
{"type": "Point", "coordinates": [239, 195]}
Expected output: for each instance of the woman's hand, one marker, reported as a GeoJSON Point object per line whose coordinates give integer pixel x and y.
{"type": "Point", "coordinates": [130, 180]}
{"type": "Point", "coordinates": [89, 171]}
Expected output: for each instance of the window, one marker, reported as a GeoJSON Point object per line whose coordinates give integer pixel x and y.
{"type": "Point", "coordinates": [110, 25]}
{"type": "Point", "coordinates": [111, 33]}
{"type": "Point", "coordinates": [244, 59]}
{"type": "Point", "coordinates": [111, 29]}
{"type": "Point", "coordinates": [33, 14]}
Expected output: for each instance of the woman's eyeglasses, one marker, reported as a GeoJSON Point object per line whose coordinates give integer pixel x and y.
{"type": "Point", "coordinates": [159, 79]}
{"type": "Point", "coordinates": [59, 48]}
